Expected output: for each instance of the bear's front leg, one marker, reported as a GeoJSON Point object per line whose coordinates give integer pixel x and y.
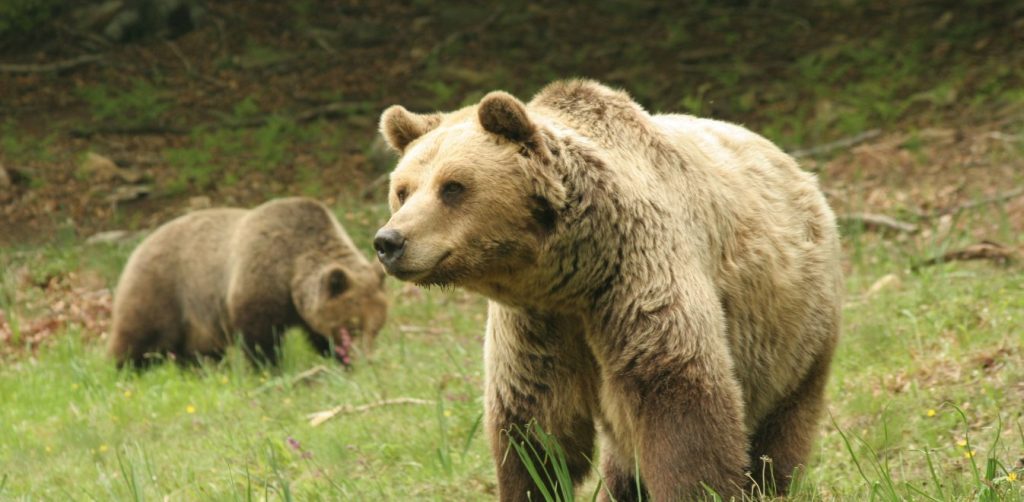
{"type": "Point", "coordinates": [539, 371]}
{"type": "Point", "coordinates": [673, 410]}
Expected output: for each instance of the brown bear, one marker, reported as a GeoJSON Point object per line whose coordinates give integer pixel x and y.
{"type": "Point", "coordinates": [670, 282]}
{"type": "Point", "coordinates": [206, 277]}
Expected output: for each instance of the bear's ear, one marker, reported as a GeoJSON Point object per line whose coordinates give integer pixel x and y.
{"type": "Point", "coordinates": [502, 114]}
{"type": "Point", "coordinates": [401, 127]}
{"type": "Point", "coordinates": [335, 282]}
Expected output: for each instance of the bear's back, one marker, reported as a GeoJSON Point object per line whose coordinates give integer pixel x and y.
{"type": "Point", "coordinates": [777, 269]}
{"type": "Point", "coordinates": [180, 250]}
{"type": "Point", "coordinates": [289, 227]}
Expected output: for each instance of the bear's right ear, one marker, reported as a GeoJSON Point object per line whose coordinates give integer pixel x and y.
{"type": "Point", "coordinates": [401, 127]}
{"type": "Point", "coordinates": [502, 114]}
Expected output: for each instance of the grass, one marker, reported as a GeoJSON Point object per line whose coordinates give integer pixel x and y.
{"type": "Point", "coordinates": [927, 373]}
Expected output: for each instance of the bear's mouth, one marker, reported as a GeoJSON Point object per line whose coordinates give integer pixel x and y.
{"type": "Point", "coordinates": [343, 347]}
{"type": "Point", "coordinates": [420, 275]}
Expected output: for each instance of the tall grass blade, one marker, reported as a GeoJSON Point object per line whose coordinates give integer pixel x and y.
{"type": "Point", "coordinates": [469, 436]}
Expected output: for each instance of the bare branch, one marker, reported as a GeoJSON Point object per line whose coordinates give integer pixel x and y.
{"type": "Point", "coordinates": [872, 221]}
{"type": "Point", "coordinates": [56, 66]}
{"type": "Point", "coordinates": [320, 417]}
{"type": "Point", "coordinates": [837, 144]}
{"type": "Point", "coordinates": [984, 250]}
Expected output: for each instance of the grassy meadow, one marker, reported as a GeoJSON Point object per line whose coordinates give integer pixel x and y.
{"type": "Point", "coordinates": [924, 404]}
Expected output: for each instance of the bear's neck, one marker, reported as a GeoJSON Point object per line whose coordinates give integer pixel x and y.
{"type": "Point", "coordinates": [616, 231]}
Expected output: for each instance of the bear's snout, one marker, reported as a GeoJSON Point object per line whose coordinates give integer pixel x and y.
{"type": "Point", "coordinates": [390, 245]}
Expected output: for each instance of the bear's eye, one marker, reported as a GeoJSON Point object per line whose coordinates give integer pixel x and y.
{"type": "Point", "coordinates": [452, 191]}
{"type": "Point", "coordinates": [337, 283]}
{"type": "Point", "coordinates": [401, 193]}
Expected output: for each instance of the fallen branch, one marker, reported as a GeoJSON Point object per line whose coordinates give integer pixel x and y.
{"type": "Point", "coordinates": [871, 221]}
{"type": "Point", "coordinates": [320, 417]}
{"type": "Point", "coordinates": [984, 250]}
{"type": "Point", "coordinates": [369, 189]}
{"type": "Point", "coordinates": [56, 66]}
{"type": "Point", "coordinates": [1005, 196]}
{"type": "Point", "coordinates": [308, 374]}
{"type": "Point", "coordinates": [323, 111]}
{"type": "Point", "coordinates": [837, 144]}
{"type": "Point", "coordinates": [141, 130]}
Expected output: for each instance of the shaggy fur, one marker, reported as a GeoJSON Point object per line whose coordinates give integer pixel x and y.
{"type": "Point", "coordinates": [205, 277]}
{"type": "Point", "coordinates": [669, 282]}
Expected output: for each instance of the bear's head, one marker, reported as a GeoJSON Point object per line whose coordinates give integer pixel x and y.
{"type": "Point", "coordinates": [341, 301]}
{"type": "Point", "coordinates": [473, 196]}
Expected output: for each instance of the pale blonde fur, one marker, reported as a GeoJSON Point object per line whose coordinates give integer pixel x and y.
{"type": "Point", "coordinates": [670, 281]}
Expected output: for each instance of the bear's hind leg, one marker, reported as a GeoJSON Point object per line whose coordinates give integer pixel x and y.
{"type": "Point", "coordinates": [139, 345]}
{"type": "Point", "coordinates": [784, 439]}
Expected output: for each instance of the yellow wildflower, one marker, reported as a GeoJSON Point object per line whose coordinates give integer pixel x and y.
{"type": "Point", "coordinates": [962, 442]}
{"type": "Point", "coordinates": [447, 413]}
{"type": "Point", "coordinates": [103, 448]}
{"type": "Point", "coordinates": [128, 393]}
{"type": "Point", "coordinates": [1011, 477]}
{"type": "Point", "coordinates": [969, 454]}
{"type": "Point", "coordinates": [932, 413]}
{"type": "Point", "coordinates": [190, 409]}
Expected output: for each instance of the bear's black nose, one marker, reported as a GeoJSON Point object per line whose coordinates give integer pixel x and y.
{"type": "Point", "coordinates": [389, 245]}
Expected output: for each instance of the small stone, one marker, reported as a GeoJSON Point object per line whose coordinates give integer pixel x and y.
{"type": "Point", "coordinates": [99, 167]}
{"type": "Point", "coordinates": [5, 179]}
{"type": "Point", "coordinates": [107, 237]}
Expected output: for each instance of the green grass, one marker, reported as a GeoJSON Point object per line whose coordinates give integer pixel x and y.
{"type": "Point", "coordinates": [143, 104]}
{"type": "Point", "coordinates": [927, 371]}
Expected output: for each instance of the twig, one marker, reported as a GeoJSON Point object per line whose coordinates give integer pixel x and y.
{"type": "Point", "coordinates": [320, 417]}
{"type": "Point", "coordinates": [317, 34]}
{"type": "Point", "coordinates": [984, 250]}
{"type": "Point", "coordinates": [308, 374]}
{"type": "Point", "coordinates": [1005, 196]}
{"type": "Point", "coordinates": [404, 328]}
{"type": "Point", "coordinates": [837, 144]}
{"type": "Point", "coordinates": [56, 66]}
{"type": "Point", "coordinates": [370, 188]}
{"type": "Point", "coordinates": [323, 111]}
{"type": "Point", "coordinates": [141, 130]}
{"type": "Point", "coordinates": [873, 221]}
{"type": "Point", "coordinates": [181, 56]}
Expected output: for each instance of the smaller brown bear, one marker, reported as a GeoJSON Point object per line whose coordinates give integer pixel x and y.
{"type": "Point", "coordinates": [203, 278]}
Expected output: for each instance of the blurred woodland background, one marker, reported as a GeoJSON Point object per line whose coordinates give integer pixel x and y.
{"type": "Point", "coordinates": [116, 114]}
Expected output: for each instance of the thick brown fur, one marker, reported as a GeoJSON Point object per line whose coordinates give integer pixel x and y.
{"type": "Point", "coordinates": [668, 281]}
{"type": "Point", "coordinates": [204, 278]}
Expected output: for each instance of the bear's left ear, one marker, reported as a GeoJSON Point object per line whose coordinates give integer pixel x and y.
{"type": "Point", "coordinates": [502, 114]}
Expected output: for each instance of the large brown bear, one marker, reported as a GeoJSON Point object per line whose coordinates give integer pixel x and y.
{"type": "Point", "coordinates": [206, 277]}
{"type": "Point", "coordinates": [670, 281]}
